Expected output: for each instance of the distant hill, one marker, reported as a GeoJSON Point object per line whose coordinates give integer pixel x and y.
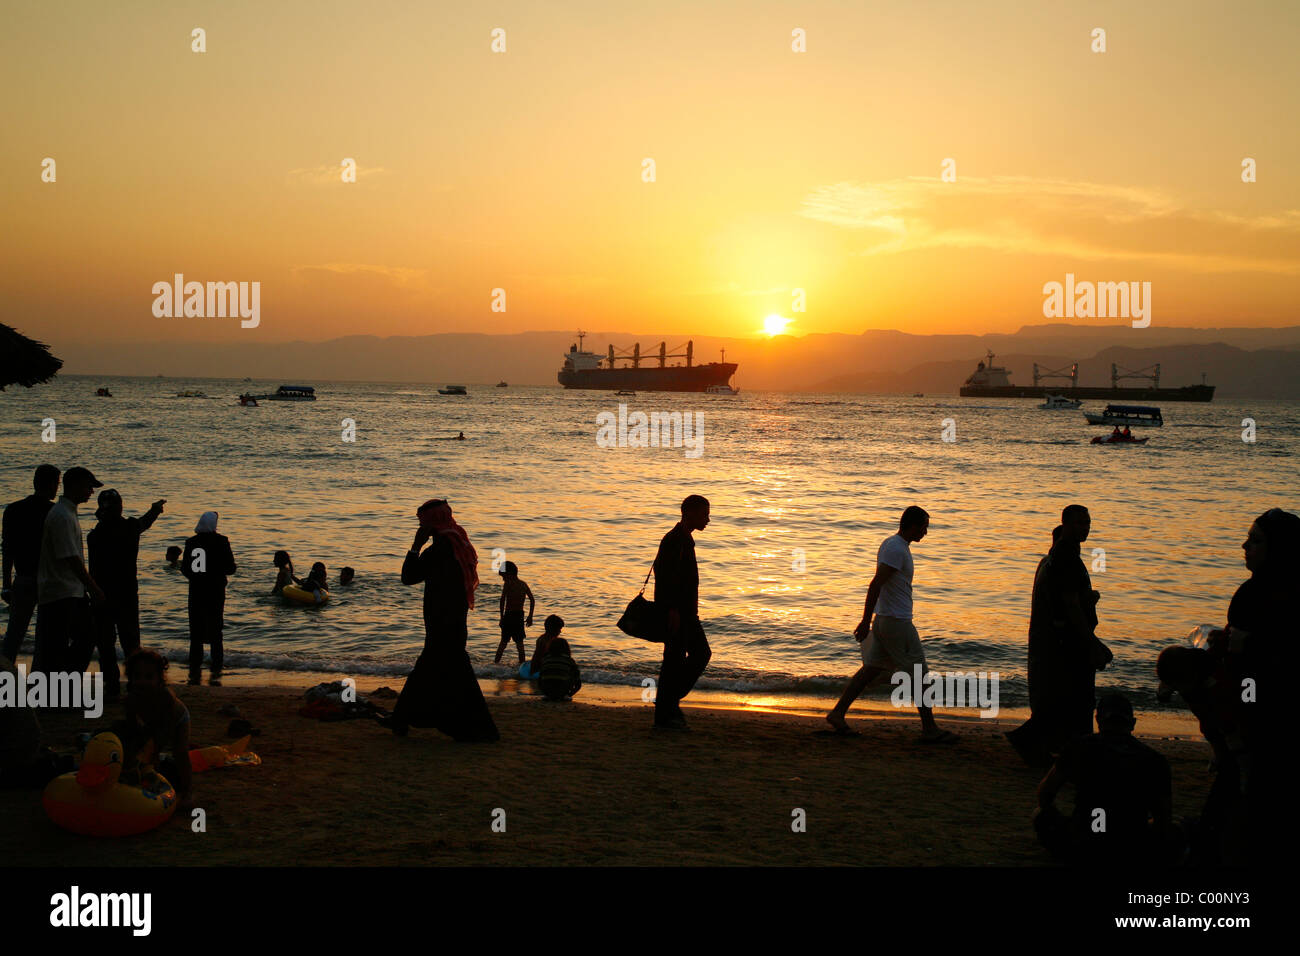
{"type": "Point", "coordinates": [1263, 362]}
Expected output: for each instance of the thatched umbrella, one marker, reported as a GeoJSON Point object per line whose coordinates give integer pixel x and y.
{"type": "Point", "coordinates": [24, 361]}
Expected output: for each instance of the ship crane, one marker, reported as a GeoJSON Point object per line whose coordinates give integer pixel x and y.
{"type": "Point", "coordinates": [1072, 374]}
{"type": "Point", "coordinates": [634, 356]}
{"type": "Point", "coordinates": [1151, 373]}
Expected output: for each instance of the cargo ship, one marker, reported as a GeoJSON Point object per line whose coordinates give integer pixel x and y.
{"type": "Point", "coordinates": [994, 381]}
{"type": "Point", "coordinates": [647, 372]}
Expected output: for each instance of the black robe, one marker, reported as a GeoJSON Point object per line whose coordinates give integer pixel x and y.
{"type": "Point", "coordinates": [442, 691]}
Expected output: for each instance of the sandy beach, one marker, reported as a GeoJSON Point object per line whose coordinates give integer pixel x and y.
{"type": "Point", "coordinates": [582, 784]}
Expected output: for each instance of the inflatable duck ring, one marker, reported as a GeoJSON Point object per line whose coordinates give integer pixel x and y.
{"type": "Point", "coordinates": [93, 802]}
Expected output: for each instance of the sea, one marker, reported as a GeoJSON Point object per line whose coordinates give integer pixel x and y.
{"type": "Point", "coordinates": [803, 487]}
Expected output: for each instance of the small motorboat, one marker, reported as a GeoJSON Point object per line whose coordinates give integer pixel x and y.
{"type": "Point", "coordinates": [103, 393]}
{"type": "Point", "coordinates": [191, 393]}
{"type": "Point", "coordinates": [626, 392]}
{"type": "Point", "coordinates": [918, 394]}
{"type": "Point", "coordinates": [1060, 403]}
{"type": "Point", "coordinates": [453, 390]}
{"type": "Point", "coordinates": [1113, 439]}
{"type": "Point", "coordinates": [290, 393]}
{"type": "Point", "coordinates": [1146, 415]}
{"type": "Point", "coordinates": [721, 390]}
{"type": "Point", "coordinates": [502, 385]}
{"type": "Point", "coordinates": [248, 401]}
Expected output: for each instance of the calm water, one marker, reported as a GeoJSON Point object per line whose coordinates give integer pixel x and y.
{"type": "Point", "coordinates": [824, 475]}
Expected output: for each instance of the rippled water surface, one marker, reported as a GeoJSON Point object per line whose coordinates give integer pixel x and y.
{"type": "Point", "coordinates": [817, 478]}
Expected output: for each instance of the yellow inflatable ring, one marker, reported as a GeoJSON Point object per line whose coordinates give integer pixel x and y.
{"type": "Point", "coordinates": [93, 802]}
{"type": "Point", "coordinates": [302, 596]}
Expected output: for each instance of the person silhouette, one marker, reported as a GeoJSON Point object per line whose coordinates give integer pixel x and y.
{"type": "Point", "coordinates": [114, 546]}
{"type": "Point", "coordinates": [24, 522]}
{"type": "Point", "coordinates": [677, 596]}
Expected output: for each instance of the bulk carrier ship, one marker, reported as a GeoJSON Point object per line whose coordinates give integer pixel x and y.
{"type": "Point", "coordinates": [994, 381]}
{"type": "Point", "coordinates": [583, 369]}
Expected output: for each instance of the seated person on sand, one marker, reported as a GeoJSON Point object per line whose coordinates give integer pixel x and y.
{"type": "Point", "coordinates": [345, 576]}
{"type": "Point", "coordinates": [1123, 796]}
{"type": "Point", "coordinates": [155, 719]}
{"type": "Point", "coordinates": [551, 628]}
{"type": "Point", "coordinates": [560, 678]}
{"type": "Point", "coordinates": [285, 575]}
{"type": "Point", "coordinates": [174, 557]}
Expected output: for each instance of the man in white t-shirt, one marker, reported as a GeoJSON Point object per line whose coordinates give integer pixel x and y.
{"type": "Point", "coordinates": [64, 628]}
{"type": "Point", "coordinates": [890, 642]}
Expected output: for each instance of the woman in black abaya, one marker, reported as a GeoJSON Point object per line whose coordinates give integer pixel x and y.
{"type": "Point", "coordinates": [442, 691]}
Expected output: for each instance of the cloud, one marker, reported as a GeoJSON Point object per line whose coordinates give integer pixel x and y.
{"type": "Point", "coordinates": [398, 275]}
{"type": "Point", "coordinates": [333, 175]}
{"type": "Point", "coordinates": [1023, 216]}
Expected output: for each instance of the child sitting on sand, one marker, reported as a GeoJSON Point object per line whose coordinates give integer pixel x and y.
{"type": "Point", "coordinates": [285, 575]}
{"type": "Point", "coordinates": [560, 678]}
{"type": "Point", "coordinates": [155, 718]}
{"type": "Point", "coordinates": [551, 628]}
{"type": "Point", "coordinates": [513, 622]}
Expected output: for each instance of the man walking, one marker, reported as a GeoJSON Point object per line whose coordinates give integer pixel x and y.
{"type": "Point", "coordinates": [64, 630]}
{"type": "Point", "coordinates": [677, 596]}
{"type": "Point", "coordinates": [24, 522]}
{"type": "Point", "coordinates": [890, 642]}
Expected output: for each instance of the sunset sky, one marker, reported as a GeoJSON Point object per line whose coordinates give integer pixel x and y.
{"type": "Point", "coordinates": [523, 170]}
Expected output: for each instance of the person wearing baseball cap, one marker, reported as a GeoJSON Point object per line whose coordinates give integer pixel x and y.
{"type": "Point", "coordinates": [64, 628]}
{"type": "Point", "coordinates": [114, 545]}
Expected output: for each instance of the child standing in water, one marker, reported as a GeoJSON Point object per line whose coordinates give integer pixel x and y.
{"type": "Point", "coordinates": [285, 575]}
{"type": "Point", "coordinates": [513, 621]}
{"type": "Point", "coordinates": [560, 678]}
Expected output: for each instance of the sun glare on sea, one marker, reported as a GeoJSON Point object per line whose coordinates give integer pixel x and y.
{"type": "Point", "coordinates": [775, 325]}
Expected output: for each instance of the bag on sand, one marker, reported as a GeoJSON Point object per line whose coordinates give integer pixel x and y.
{"type": "Point", "coordinates": [641, 618]}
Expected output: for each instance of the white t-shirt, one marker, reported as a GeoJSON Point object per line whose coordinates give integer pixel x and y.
{"type": "Point", "coordinates": [61, 538]}
{"type": "Point", "coordinates": [896, 593]}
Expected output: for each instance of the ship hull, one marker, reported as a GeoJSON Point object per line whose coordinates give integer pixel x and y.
{"type": "Point", "coordinates": [1188, 393]}
{"type": "Point", "coordinates": [677, 378]}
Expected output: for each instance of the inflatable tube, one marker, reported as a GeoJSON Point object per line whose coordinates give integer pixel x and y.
{"type": "Point", "coordinates": [224, 755]}
{"type": "Point", "coordinates": [92, 802]}
{"type": "Point", "coordinates": [526, 671]}
{"type": "Point", "coordinates": [300, 596]}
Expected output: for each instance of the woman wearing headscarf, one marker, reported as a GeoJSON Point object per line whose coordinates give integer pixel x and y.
{"type": "Point", "coordinates": [442, 691]}
{"type": "Point", "coordinates": [206, 563]}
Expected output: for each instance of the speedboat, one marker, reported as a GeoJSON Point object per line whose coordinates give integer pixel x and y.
{"type": "Point", "coordinates": [453, 390]}
{"type": "Point", "coordinates": [1059, 402]}
{"type": "Point", "coordinates": [721, 390]}
{"type": "Point", "coordinates": [502, 385]}
{"type": "Point", "coordinates": [103, 393]}
{"type": "Point", "coordinates": [624, 391]}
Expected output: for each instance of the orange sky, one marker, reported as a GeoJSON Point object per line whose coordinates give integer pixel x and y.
{"type": "Point", "coordinates": [775, 170]}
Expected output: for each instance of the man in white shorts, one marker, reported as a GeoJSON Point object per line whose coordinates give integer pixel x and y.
{"type": "Point", "coordinates": [893, 643]}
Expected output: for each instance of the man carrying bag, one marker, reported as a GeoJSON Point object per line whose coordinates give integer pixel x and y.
{"type": "Point", "coordinates": [674, 617]}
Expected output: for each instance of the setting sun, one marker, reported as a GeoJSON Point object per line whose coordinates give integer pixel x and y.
{"type": "Point", "coordinates": [775, 324]}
